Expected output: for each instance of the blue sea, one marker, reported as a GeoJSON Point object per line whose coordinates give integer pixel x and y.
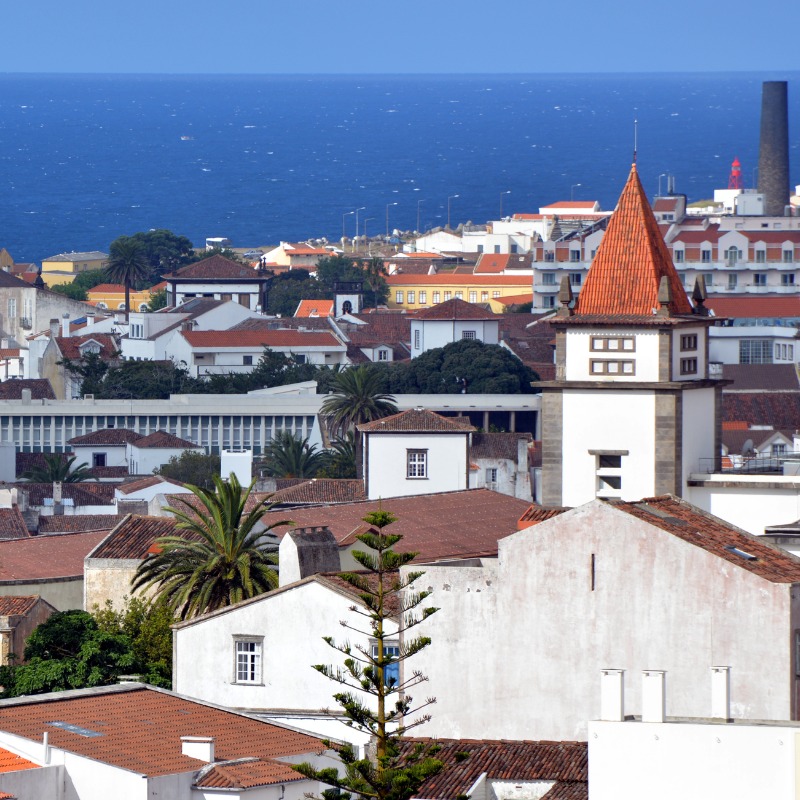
{"type": "Point", "coordinates": [259, 159]}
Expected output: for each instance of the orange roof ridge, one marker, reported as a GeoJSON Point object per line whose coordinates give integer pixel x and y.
{"type": "Point", "coordinates": [630, 262]}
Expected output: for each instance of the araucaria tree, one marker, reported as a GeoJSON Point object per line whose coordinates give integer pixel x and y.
{"type": "Point", "coordinates": [374, 697]}
{"type": "Point", "coordinates": [218, 556]}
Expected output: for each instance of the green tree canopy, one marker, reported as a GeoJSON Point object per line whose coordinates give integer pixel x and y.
{"type": "Point", "coordinates": [127, 264]}
{"type": "Point", "coordinates": [192, 467]}
{"type": "Point", "coordinates": [83, 281]}
{"type": "Point", "coordinates": [371, 669]}
{"type": "Point", "coordinates": [158, 300]}
{"type": "Point", "coordinates": [290, 457]}
{"type": "Point", "coordinates": [357, 397]}
{"type": "Point", "coordinates": [146, 380]}
{"type": "Point", "coordinates": [287, 289]}
{"type": "Point", "coordinates": [57, 468]}
{"type": "Point", "coordinates": [164, 252]}
{"type": "Point", "coordinates": [217, 557]}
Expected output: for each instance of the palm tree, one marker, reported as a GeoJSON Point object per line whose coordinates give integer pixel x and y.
{"type": "Point", "coordinates": [342, 457]}
{"type": "Point", "coordinates": [217, 557]}
{"type": "Point", "coordinates": [57, 469]}
{"type": "Point", "coordinates": [357, 398]}
{"type": "Point", "coordinates": [127, 264]}
{"type": "Point", "coordinates": [290, 457]}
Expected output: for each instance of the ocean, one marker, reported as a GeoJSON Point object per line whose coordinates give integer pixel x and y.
{"type": "Point", "coordinates": [260, 159]}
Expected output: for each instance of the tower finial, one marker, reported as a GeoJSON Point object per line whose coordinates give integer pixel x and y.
{"type": "Point", "coordinates": [635, 139]}
{"type": "Point", "coordinates": [565, 297]}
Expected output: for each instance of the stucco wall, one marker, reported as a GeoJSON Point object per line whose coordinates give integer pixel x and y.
{"type": "Point", "coordinates": [62, 594]}
{"type": "Point", "coordinates": [108, 579]}
{"type": "Point", "coordinates": [752, 509]}
{"type": "Point", "coordinates": [579, 354]}
{"type": "Point", "coordinates": [525, 640]}
{"type": "Point", "coordinates": [292, 622]}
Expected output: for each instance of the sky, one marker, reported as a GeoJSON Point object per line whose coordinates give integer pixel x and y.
{"type": "Point", "coordinates": [411, 36]}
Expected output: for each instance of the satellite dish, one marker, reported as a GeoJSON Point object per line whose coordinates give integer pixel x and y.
{"type": "Point", "coordinates": [748, 449]}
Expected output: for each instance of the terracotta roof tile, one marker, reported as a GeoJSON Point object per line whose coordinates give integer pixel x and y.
{"type": "Point", "coordinates": [267, 338]}
{"type": "Point", "coordinates": [78, 523]}
{"type": "Point", "coordinates": [436, 526]}
{"type": "Point", "coordinates": [246, 774]}
{"type": "Point", "coordinates": [630, 261]}
{"type": "Point", "coordinates": [448, 279]}
{"type": "Point", "coordinates": [762, 377]}
{"type": "Point", "coordinates": [163, 439]}
{"type": "Point", "coordinates": [536, 514]}
{"type": "Point", "coordinates": [418, 420]}
{"type": "Point", "coordinates": [497, 445]}
{"type": "Point", "coordinates": [45, 557]}
{"type": "Point", "coordinates": [40, 389]}
{"type": "Point", "coordinates": [107, 288]}
{"type": "Point", "coordinates": [139, 728]}
{"type": "Point", "coordinates": [715, 536]}
{"type": "Point", "coordinates": [215, 268]}
{"type": "Point", "coordinates": [762, 408]}
{"type": "Point", "coordinates": [14, 606]}
{"type": "Point", "coordinates": [82, 494]}
{"type": "Point", "coordinates": [110, 437]}
{"type": "Point", "coordinates": [146, 483]}
{"type": "Point", "coordinates": [314, 308]}
{"type": "Point", "coordinates": [320, 490]}
{"type": "Point", "coordinates": [455, 309]}
{"type": "Point", "coordinates": [134, 537]}
{"type": "Point", "coordinates": [12, 525]}
{"type": "Point", "coordinates": [566, 763]}
{"type": "Point", "coordinates": [11, 762]}
{"type": "Point", "coordinates": [70, 347]}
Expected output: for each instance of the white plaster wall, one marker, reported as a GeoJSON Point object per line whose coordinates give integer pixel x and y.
{"type": "Point", "coordinates": [63, 594]}
{"type": "Point", "coordinates": [752, 509]}
{"type": "Point", "coordinates": [45, 783]}
{"type": "Point", "coordinates": [579, 354]}
{"type": "Point", "coordinates": [525, 640]}
{"type": "Point", "coordinates": [608, 420]}
{"type": "Point", "coordinates": [723, 349]}
{"type": "Point", "coordinates": [698, 431]}
{"type": "Point", "coordinates": [292, 622]}
{"type": "Point", "coordinates": [142, 461]}
{"type": "Point", "coordinates": [152, 491]}
{"type": "Point", "coordinates": [115, 454]}
{"type": "Point", "coordinates": [438, 333]}
{"type": "Point", "coordinates": [629, 761]}
{"type": "Point", "coordinates": [88, 779]}
{"type": "Point", "coordinates": [385, 460]}
{"type": "Point", "coordinates": [699, 354]}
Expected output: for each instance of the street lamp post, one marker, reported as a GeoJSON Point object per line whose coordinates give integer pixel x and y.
{"type": "Point", "coordinates": [572, 190]}
{"type": "Point", "coordinates": [452, 197]}
{"type": "Point", "coordinates": [501, 201]}
{"type": "Point", "coordinates": [368, 219]}
{"type": "Point", "coordinates": [346, 214]}
{"type": "Point", "coordinates": [387, 218]}
{"type": "Point", "coordinates": [355, 241]}
{"type": "Point", "coordinates": [662, 175]}
{"type": "Point", "coordinates": [419, 203]}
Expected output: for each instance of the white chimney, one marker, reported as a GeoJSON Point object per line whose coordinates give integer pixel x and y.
{"type": "Point", "coordinates": [57, 494]}
{"type": "Point", "coordinates": [199, 747]}
{"type": "Point", "coordinates": [53, 328]}
{"type": "Point", "coordinates": [721, 692]}
{"type": "Point", "coordinates": [65, 325]}
{"type": "Point", "coordinates": [612, 695]}
{"type": "Point", "coordinates": [653, 699]}
{"type": "Point", "coordinates": [90, 319]}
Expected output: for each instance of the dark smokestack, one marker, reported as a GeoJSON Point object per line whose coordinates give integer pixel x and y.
{"type": "Point", "coordinates": [773, 159]}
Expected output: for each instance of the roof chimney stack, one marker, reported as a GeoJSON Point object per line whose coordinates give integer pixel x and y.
{"type": "Point", "coordinates": [65, 325]}
{"type": "Point", "coordinates": [199, 747]}
{"type": "Point", "coordinates": [653, 699]}
{"type": "Point", "coordinates": [773, 156]}
{"type": "Point", "coordinates": [721, 693]}
{"type": "Point", "coordinates": [612, 695]}
{"type": "Point", "coordinates": [53, 328]}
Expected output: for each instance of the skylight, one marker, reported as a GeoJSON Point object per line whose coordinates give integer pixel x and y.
{"type": "Point", "coordinates": [741, 553]}
{"type": "Point", "coordinates": [68, 726]}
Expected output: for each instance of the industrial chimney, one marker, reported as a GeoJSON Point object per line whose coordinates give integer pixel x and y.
{"type": "Point", "coordinates": [773, 159]}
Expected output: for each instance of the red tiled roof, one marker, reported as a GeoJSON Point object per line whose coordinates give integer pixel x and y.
{"type": "Point", "coordinates": [492, 263]}
{"type": "Point", "coordinates": [630, 261]}
{"type": "Point", "coordinates": [78, 523]}
{"type": "Point", "coordinates": [246, 774]}
{"type": "Point", "coordinates": [109, 437]}
{"type": "Point", "coordinates": [134, 537]}
{"type": "Point", "coordinates": [762, 377]}
{"type": "Point", "coordinates": [12, 525]}
{"type": "Point", "coordinates": [15, 606]}
{"type": "Point", "coordinates": [215, 268]}
{"type": "Point", "coordinates": [46, 557]}
{"type": "Point", "coordinates": [497, 445]}
{"type": "Point", "coordinates": [566, 763]}
{"type": "Point", "coordinates": [11, 762]}
{"type": "Point", "coordinates": [40, 389]}
{"type": "Point", "coordinates": [536, 514]}
{"type": "Point", "coordinates": [163, 439]}
{"type": "Point", "coordinates": [107, 288]}
{"type": "Point", "coordinates": [314, 308]}
{"type": "Point", "coordinates": [778, 409]}
{"type": "Point", "coordinates": [9, 352]}
{"type": "Point", "coordinates": [418, 420]}
{"type": "Point", "coordinates": [710, 234]}
{"type": "Point", "coordinates": [749, 307]}
{"type": "Point", "coordinates": [455, 309]}
{"type": "Point", "coordinates": [445, 279]}
{"type": "Point", "coordinates": [715, 536]}
{"type": "Point", "coordinates": [450, 524]}
{"type": "Point", "coordinates": [321, 490]}
{"type": "Point", "coordinates": [146, 483]}
{"type": "Point", "coordinates": [515, 299]}
{"type": "Point", "coordinates": [139, 728]}
{"type": "Point", "coordinates": [666, 204]}
{"type": "Point", "coordinates": [70, 346]}
{"type": "Point", "coordinates": [85, 493]}
{"type": "Point", "coordinates": [268, 338]}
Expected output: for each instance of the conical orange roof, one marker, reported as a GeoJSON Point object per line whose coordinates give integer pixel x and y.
{"type": "Point", "coordinates": [630, 262]}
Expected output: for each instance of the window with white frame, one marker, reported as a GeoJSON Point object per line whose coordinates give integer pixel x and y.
{"type": "Point", "coordinates": [491, 476]}
{"type": "Point", "coordinates": [548, 279]}
{"type": "Point", "coordinates": [495, 294]}
{"type": "Point", "coordinates": [787, 279]}
{"type": "Point", "coordinates": [423, 297]}
{"type": "Point", "coordinates": [473, 297]}
{"type": "Point", "coordinates": [576, 278]}
{"type": "Point", "coordinates": [705, 256]}
{"type": "Point", "coordinates": [468, 334]}
{"type": "Point", "coordinates": [484, 296]}
{"type": "Point", "coordinates": [732, 281]}
{"type": "Point", "coordinates": [755, 351]}
{"type": "Point", "coordinates": [549, 301]}
{"type": "Point", "coordinates": [398, 297]}
{"type": "Point", "coordinates": [247, 659]}
{"type": "Point", "coordinates": [604, 343]}
{"type": "Point", "coordinates": [437, 297]}
{"type": "Point", "coordinates": [788, 256]}
{"type": "Point", "coordinates": [459, 295]}
{"type": "Point", "coordinates": [383, 355]}
{"type": "Point", "coordinates": [759, 278]}
{"type": "Point", "coordinates": [761, 256]}
{"type": "Point", "coordinates": [416, 464]}
{"type": "Point", "coordinates": [410, 296]}
{"type": "Point", "coordinates": [391, 671]}
{"type": "Point", "coordinates": [448, 296]}
{"type": "Point", "coordinates": [416, 339]}
{"type": "Point", "coordinates": [574, 256]}
{"type": "Point", "coordinates": [679, 256]}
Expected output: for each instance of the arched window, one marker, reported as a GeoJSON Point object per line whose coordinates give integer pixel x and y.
{"type": "Point", "coordinates": [347, 307]}
{"type": "Point", "coordinates": [142, 306]}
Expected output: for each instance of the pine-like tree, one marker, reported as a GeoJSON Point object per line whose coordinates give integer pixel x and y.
{"type": "Point", "coordinates": [391, 771]}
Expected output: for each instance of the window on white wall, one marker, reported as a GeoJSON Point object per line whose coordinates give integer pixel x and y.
{"type": "Point", "coordinates": [391, 671]}
{"type": "Point", "coordinates": [468, 334]}
{"type": "Point", "coordinates": [416, 464]}
{"type": "Point", "coordinates": [247, 655]}
{"type": "Point", "coordinates": [416, 339]}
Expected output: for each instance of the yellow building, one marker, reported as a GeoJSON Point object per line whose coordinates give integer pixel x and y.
{"type": "Point", "coordinates": [112, 297]}
{"type": "Point", "coordinates": [423, 291]}
{"type": "Point", "coordinates": [65, 266]}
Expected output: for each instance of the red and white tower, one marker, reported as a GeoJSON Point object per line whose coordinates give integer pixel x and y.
{"type": "Point", "coordinates": [735, 180]}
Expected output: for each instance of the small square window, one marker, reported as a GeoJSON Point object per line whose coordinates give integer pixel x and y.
{"type": "Point", "coordinates": [459, 295]}
{"type": "Point", "coordinates": [575, 278]}
{"type": "Point", "coordinates": [609, 462]}
{"type": "Point", "coordinates": [495, 294]}
{"type": "Point", "coordinates": [679, 256]}
{"type": "Point", "coordinates": [574, 256]}
{"type": "Point", "coordinates": [759, 278]}
{"type": "Point", "coordinates": [689, 341]}
{"type": "Point", "coordinates": [467, 334]}
{"type": "Point", "coordinates": [787, 280]}
{"type": "Point", "coordinates": [548, 279]}
{"type": "Point", "coordinates": [688, 366]}
{"type": "Point", "coordinates": [247, 361]}
{"type": "Point", "coordinates": [416, 464]}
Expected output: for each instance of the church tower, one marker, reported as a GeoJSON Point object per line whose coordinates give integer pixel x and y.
{"type": "Point", "coordinates": [632, 409]}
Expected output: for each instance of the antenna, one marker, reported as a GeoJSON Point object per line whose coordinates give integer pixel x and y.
{"type": "Point", "coordinates": [635, 138]}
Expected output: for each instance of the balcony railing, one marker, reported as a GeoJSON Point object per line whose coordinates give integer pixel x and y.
{"type": "Point", "coordinates": [767, 464]}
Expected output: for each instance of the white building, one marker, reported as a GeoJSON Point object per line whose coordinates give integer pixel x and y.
{"type": "Point", "coordinates": [415, 452]}
{"type": "Point", "coordinates": [449, 322]}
